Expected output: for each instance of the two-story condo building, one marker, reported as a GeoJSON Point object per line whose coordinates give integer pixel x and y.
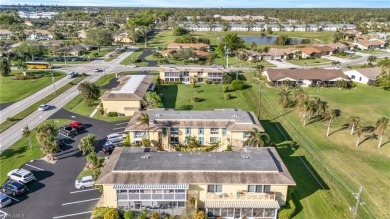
{"type": "Point", "coordinates": [171, 127]}
{"type": "Point", "coordinates": [252, 183]}
{"type": "Point", "coordinates": [186, 74]}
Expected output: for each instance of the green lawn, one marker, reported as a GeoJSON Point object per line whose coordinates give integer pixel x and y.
{"type": "Point", "coordinates": [234, 62]}
{"type": "Point", "coordinates": [8, 123]}
{"type": "Point", "coordinates": [20, 152]}
{"type": "Point", "coordinates": [346, 56]}
{"type": "Point", "coordinates": [164, 37]}
{"type": "Point", "coordinates": [310, 62]}
{"type": "Point", "coordinates": [132, 58]}
{"type": "Point", "coordinates": [337, 151]}
{"type": "Point", "coordinates": [14, 90]}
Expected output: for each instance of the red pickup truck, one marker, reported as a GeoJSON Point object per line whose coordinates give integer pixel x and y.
{"type": "Point", "coordinates": [77, 125]}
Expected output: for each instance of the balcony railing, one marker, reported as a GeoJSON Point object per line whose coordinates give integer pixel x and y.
{"type": "Point", "coordinates": [239, 196]}
{"type": "Point", "coordinates": [151, 196]}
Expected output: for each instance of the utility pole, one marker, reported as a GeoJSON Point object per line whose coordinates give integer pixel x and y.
{"type": "Point", "coordinates": [52, 79]}
{"type": "Point", "coordinates": [358, 197]}
{"type": "Point", "coordinates": [227, 52]}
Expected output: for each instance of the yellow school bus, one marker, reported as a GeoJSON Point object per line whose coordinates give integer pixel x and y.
{"type": "Point", "coordinates": [39, 65]}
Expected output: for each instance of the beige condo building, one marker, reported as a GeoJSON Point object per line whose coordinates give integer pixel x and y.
{"type": "Point", "coordinates": [252, 182]}
{"type": "Point", "coordinates": [188, 74]}
{"type": "Point", "coordinates": [171, 127]}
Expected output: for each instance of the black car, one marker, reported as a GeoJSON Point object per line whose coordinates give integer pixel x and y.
{"type": "Point", "coordinates": [67, 130]}
{"type": "Point", "coordinates": [14, 188]}
{"type": "Point", "coordinates": [108, 149]}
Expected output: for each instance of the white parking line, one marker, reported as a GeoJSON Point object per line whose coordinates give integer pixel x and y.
{"type": "Point", "coordinates": [65, 136]}
{"type": "Point", "coordinates": [88, 200]}
{"type": "Point", "coordinates": [13, 198]}
{"type": "Point", "coordinates": [85, 190]}
{"type": "Point", "coordinates": [70, 215]}
{"type": "Point", "coordinates": [34, 167]}
{"type": "Point", "coordinates": [122, 123]}
{"type": "Point", "coordinates": [119, 128]}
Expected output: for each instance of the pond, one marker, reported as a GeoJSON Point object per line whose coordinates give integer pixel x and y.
{"type": "Point", "coordinates": [264, 39]}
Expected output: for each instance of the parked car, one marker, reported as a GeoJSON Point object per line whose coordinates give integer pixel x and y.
{"type": "Point", "coordinates": [74, 59]}
{"type": "Point", "coordinates": [96, 70]}
{"type": "Point", "coordinates": [116, 135]}
{"type": "Point", "coordinates": [14, 188]}
{"type": "Point", "coordinates": [278, 60]}
{"type": "Point", "coordinates": [44, 107]}
{"type": "Point", "coordinates": [4, 200]}
{"type": "Point", "coordinates": [131, 66]}
{"type": "Point", "coordinates": [77, 125]}
{"type": "Point", "coordinates": [86, 181]}
{"type": "Point", "coordinates": [108, 149]}
{"type": "Point", "coordinates": [21, 175]}
{"type": "Point", "coordinates": [67, 130]}
{"type": "Point", "coordinates": [114, 141]}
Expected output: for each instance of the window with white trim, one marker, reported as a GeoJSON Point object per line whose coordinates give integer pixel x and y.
{"type": "Point", "coordinates": [214, 131]}
{"type": "Point", "coordinates": [214, 188]}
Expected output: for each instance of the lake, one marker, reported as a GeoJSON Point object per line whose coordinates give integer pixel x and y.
{"type": "Point", "coordinates": [264, 39]}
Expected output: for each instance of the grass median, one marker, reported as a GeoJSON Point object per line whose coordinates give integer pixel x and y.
{"type": "Point", "coordinates": [13, 120]}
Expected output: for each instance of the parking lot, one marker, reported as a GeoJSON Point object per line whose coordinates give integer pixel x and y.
{"type": "Point", "coordinates": [54, 195]}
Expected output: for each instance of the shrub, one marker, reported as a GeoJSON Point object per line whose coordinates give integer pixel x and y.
{"type": "Point", "coordinates": [112, 114]}
{"type": "Point", "coordinates": [227, 96]}
{"type": "Point", "coordinates": [21, 77]}
{"type": "Point", "coordinates": [10, 119]}
{"type": "Point", "coordinates": [237, 85]}
{"type": "Point", "coordinates": [71, 83]}
{"type": "Point", "coordinates": [111, 213]}
{"type": "Point", "coordinates": [101, 109]}
{"type": "Point", "coordinates": [207, 81]}
{"type": "Point", "coordinates": [196, 99]}
{"type": "Point", "coordinates": [84, 74]}
{"type": "Point", "coordinates": [288, 211]}
{"type": "Point", "coordinates": [172, 82]}
{"type": "Point", "coordinates": [98, 212]}
{"type": "Point", "coordinates": [127, 141]}
{"type": "Point", "coordinates": [129, 215]}
{"type": "Point", "coordinates": [185, 107]}
{"type": "Point", "coordinates": [138, 60]}
{"type": "Point", "coordinates": [145, 142]}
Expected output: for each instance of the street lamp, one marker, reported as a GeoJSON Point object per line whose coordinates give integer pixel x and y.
{"type": "Point", "coordinates": [52, 79]}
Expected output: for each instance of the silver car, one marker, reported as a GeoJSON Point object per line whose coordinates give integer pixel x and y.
{"type": "Point", "coordinates": [86, 181]}
{"type": "Point", "coordinates": [4, 200]}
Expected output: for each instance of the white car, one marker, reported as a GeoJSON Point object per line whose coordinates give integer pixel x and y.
{"type": "Point", "coordinates": [21, 175]}
{"type": "Point", "coordinates": [96, 70]}
{"type": "Point", "coordinates": [131, 66]}
{"type": "Point", "coordinates": [116, 136]}
{"type": "Point", "coordinates": [43, 107]}
{"type": "Point", "coordinates": [86, 181]}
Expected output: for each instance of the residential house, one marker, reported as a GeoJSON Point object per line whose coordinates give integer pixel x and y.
{"type": "Point", "coordinates": [122, 38]}
{"type": "Point", "coordinates": [288, 27]}
{"type": "Point", "coordinates": [313, 27]}
{"type": "Point", "coordinates": [78, 49]}
{"type": "Point", "coordinates": [310, 52]}
{"type": "Point", "coordinates": [199, 27]}
{"type": "Point", "coordinates": [258, 26]}
{"type": "Point", "coordinates": [304, 77]}
{"type": "Point", "coordinates": [252, 183]}
{"type": "Point", "coordinates": [5, 34]}
{"type": "Point", "coordinates": [300, 27]}
{"type": "Point", "coordinates": [280, 53]}
{"type": "Point", "coordinates": [239, 27]}
{"type": "Point", "coordinates": [333, 27]}
{"type": "Point", "coordinates": [273, 27]}
{"type": "Point", "coordinates": [188, 46]}
{"type": "Point", "coordinates": [81, 34]}
{"type": "Point", "coordinates": [363, 75]}
{"type": "Point", "coordinates": [126, 98]}
{"type": "Point", "coordinates": [325, 50]}
{"type": "Point", "coordinates": [184, 74]}
{"type": "Point", "coordinates": [370, 44]}
{"type": "Point", "coordinates": [38, 34]}
{"type": "Point", "coordinates": [73, 23]}
{"type": "Point", "coordinates": [337, 46]}
{"type": "Point", "coordinates": [169, 127]}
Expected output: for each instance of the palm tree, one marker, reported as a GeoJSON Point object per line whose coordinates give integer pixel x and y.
{"type": "Point", "coordinates": [354, 121]}
{"type": "Point", "coordinates": [144, 120]}
{"type": "Point", "coordinates": [359, 132]}
{"type": "Point", "coordinates": [381, 126]}
{"type": "Point", "coordinates": [257, 138]}
{"type": "Point", "coordinates": [305, 108]}
{"type": "Point", "coordinates": [47, 139]}
{"type": "Point", "coordinates": [26, 134]}
{"type": "Point", "coordinates": [371, 59]}
{"type": "Point", "coordinates": [259, 69]}
{"type": "Point", "coordinates": [22, 66]}
{"type": "Point", "coordinates": [300, 95]}
{"type": "Point", "coordinates": [284, 98]}
{"type": "Point", "coordinates": [328, 116]}
{"type": "Point", "coordinates": [87, 144]}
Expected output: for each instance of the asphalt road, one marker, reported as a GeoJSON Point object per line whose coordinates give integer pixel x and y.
{"type": "Point", "coordinates": [14, 133]}
{"type": "Point", "coordinates": [53, 195]}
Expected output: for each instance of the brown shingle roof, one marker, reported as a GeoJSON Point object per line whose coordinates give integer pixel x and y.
{"type": "Point", "coordinates": [370, 73]}
{"type": "Point", "coordinates": [305, 74]}
{"type": "Point", "coordinates": [373, 42]}
{"type": "Point", "coordinates": [324, 48]}
{"type": "Point", "coordinates": [309, 50]}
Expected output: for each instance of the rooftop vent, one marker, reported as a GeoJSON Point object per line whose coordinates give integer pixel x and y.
{"type": "Point", "coordinates": [245, 157]}
{"type": "Point", "coordinates": [158, 115]}
{"type": "Point", "coordinates": [145, 157]}
{"type": "Point", "coordinates": [235, 115]}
